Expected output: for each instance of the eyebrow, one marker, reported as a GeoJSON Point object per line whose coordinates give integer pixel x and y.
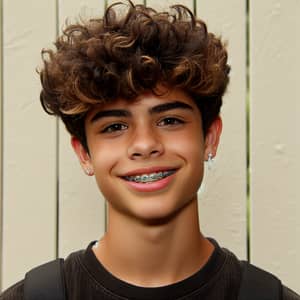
{"type": "Point", "coordinates": [169, 106]}
{"type": "Point", "coordinates": [153, 110]}
{"type": "Point", "coordinates": [110, 113]}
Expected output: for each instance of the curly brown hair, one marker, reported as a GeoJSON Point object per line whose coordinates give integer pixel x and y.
{"type": "Point", "coordinates": [127, 54]}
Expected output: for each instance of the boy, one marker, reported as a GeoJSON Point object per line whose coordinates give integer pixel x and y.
{"type": "Point", "coordinates": [141, 95]}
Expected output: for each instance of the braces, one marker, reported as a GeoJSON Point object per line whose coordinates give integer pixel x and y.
{"type": "Point", "coordinates": [151, 177]}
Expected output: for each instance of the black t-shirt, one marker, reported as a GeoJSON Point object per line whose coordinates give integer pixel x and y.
{"type": "Point", "coordinates": [87, 279]}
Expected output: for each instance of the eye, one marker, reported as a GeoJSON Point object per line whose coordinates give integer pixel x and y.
{"type": "Point", "coordinates": [114, 128]}
{"type": "Point", "coordinates": [170, 121]}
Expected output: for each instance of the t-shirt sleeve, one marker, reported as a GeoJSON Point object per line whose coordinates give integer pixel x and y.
{"type": "Point", "coordinates": [287, 294]}
{"type": "Point", "coordinates": [15, 292]}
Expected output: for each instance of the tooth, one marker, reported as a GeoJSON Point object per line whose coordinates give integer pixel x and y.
{"type": "Point", "coordinates": [144, 178]}
{"type": "Point", "coordinates": [152, 176]}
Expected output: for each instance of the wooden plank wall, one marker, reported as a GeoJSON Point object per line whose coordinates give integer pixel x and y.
{"type": "Point", "coordinates": [275, 140]}
{"type": "Point", "coordinates": [29, 142]}
{"type": "Point", "coordinates": [50, 208]}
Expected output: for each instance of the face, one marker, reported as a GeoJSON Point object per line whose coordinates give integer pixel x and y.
{"type": "Point", "coordinates": [147, 155]}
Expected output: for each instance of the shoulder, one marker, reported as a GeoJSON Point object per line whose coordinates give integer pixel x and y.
{"type": "Point", "coordinates": [288, 294]}
{"type": "Point", "coordinates": [252, 276]}
{"type": "Point", "coordinates": [260, 282]}
{"type": "Point", "coordinates": [15, 292]}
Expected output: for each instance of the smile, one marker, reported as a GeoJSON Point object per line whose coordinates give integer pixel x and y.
{"type": "Point", "coordinates": [152, 177]}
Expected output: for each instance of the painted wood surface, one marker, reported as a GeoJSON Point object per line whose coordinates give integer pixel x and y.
{"type": "Point", "coordinates": [223, 201]}
{"type": "Point", "coordinates": [1, 126]}
{"type": "Point", "coordinates": [29, 139]}
{"type": "Point", "coordinates": [50, 207]}
{"type": "Point", "coordinates": [275, 141]}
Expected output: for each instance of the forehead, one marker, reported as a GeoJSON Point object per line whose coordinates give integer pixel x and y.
{"type": "Point", "coordinates": [151, 102]}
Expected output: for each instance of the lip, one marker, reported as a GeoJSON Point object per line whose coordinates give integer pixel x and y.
{"type": "Point", "coordinates": [151, 186]}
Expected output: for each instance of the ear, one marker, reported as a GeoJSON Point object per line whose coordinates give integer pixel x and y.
{"type": "Point", "coordinates": [212, 138]}
{"type": "Point", "coordinates": [83, 156]}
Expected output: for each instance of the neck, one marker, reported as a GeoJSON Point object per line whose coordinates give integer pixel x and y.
{"type": "Point", "coordinates": [154, 255]}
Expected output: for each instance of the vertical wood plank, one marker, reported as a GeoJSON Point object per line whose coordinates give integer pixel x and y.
{"type": "Point", "coordinates": [161, 5]}
{"type": "Point", "coordinates": [1, 144]}
{"type": "Point", "coordinates": [275, 142]}
{"type": "Point", "coordinates": [223, 196]}
{"type": "Point", "coordinates": [109, 2]}
{"type": "Point", "coordinates": [81, 206]}
{"type": "Point", "coordinates": [29, 138]}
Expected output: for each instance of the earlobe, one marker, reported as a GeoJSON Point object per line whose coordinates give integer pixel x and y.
{"type": "Point", "coordinates": [82, 155]}
{"type": "Point", "coordinates": [212, 138]}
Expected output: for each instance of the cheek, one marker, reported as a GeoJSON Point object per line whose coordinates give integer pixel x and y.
{"type": "Point", "coordinates": [104, 160]}
{"type": "Point", "coordinates": [190, 148]}
{"type": "Point", "coordinates": [103, 165]}
{"type": "Point", "coordinates": [189, 145]}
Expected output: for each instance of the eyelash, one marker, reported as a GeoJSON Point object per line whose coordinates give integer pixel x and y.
{"type": "Point", "coordinates": [168, 121]}
{"type": "Point", "coordinates": [174, 121]}
{"type": "Point", "coordinates": [114, 127]}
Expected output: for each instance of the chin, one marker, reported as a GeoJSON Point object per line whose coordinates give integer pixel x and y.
{"type": "Point", "coordinates": [159, 214]}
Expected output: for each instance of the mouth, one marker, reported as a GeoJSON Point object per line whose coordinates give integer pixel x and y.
{"type": "Point", "coordinates": [149, 177]}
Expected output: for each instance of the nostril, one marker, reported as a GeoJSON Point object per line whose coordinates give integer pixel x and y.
{"type": "Point", "coordinates": [154, 152]}
{"type": "Point", "coordinates": [136, 154]}
{"type": "Point", "coordinates": [139, 151]}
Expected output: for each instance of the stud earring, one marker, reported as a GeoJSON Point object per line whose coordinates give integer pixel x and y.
{"type": "Point", "coordinates": [210, 161]}
{"type": "Point", "coordinates": [88, 171]}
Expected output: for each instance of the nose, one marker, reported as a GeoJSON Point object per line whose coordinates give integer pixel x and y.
{"type": "Point", "coordinates": [144, 144]}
